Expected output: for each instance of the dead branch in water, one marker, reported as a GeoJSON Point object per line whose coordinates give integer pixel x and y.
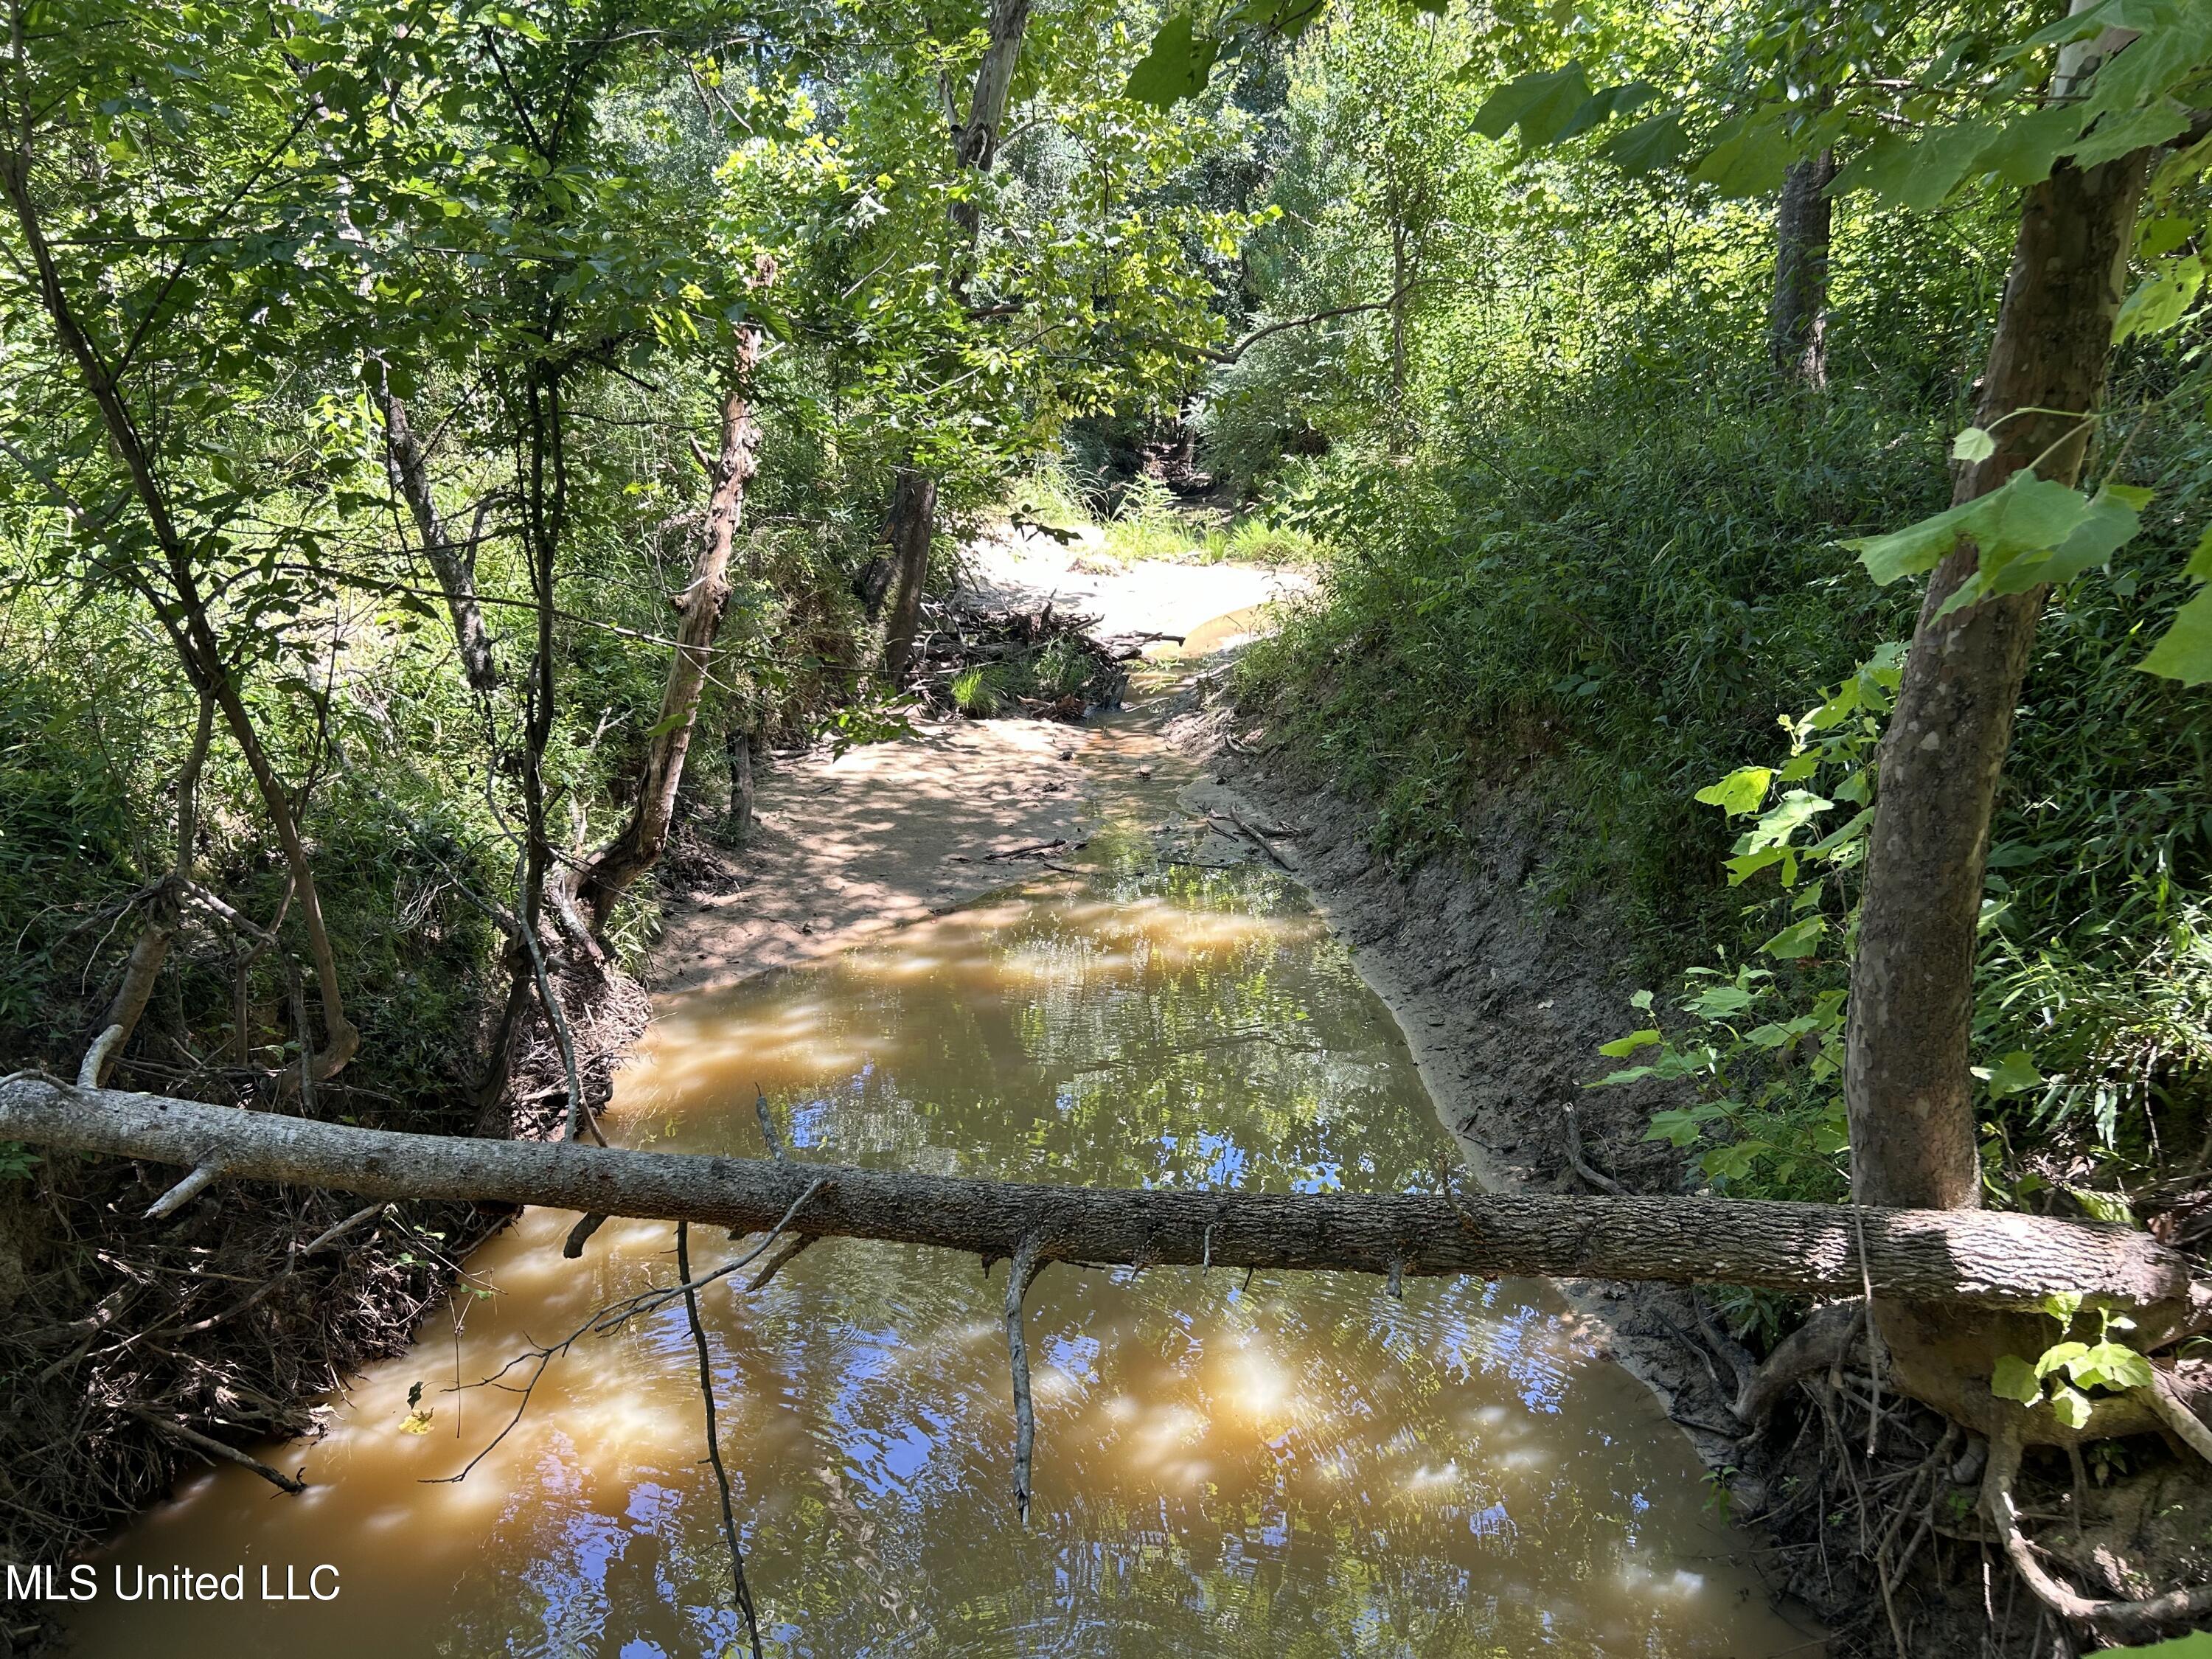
{"type": "Point", "coordinates": [1021, 1273]}
{"type": "Point", "coordinates": [741, 1592]}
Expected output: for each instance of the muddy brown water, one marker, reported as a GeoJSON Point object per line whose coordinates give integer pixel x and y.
{"type": "Point", "coordinates": [1299, 1466]}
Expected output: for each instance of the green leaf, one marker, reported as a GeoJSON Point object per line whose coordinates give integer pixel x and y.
{"type": "Point", "coordinates": [1676, 1128]}
{"type": "Point", "coordinates": [1785, 818]}
{"type": "Point", "coordinates": [2024, 147]}
{"type": "Point", "coordinates": [2196, 1645]}
{"type": "Point", "coordinates": [2076, 26]}
{"type": "Point", "coordinates": [1880, 167]}
{"type": "Point", "coordinates": [1541, 103]}
{"type": "Point", "coordinates": [1750, 161]}
{"type": "Point", "coordinates": [2058, 1354]}
{"type": "Point", "coordinates": [1909, 551]}
{"type": "Point", "coordinates": [2025, 514]}
{"type": "Point", "coordinates": [2163, 56]}
{"type": "Point", "coordinates": [2184, 652]}
{"type": "Point", "coordinates": [1742, 791]}
{"type": "Point", "coordinates": [2015, 1379]}
{"type": "Point", "coordinates": [1633, 1074]}
{"type": "Point", "coordinates": [1175, 67]}
{"type": "Point", "coordinates": [1939, 163]}
{"type": "Point", "coordinates": [1655, 143]}
{"type": "Point", "coordinates": [2120, 135]}
{"type": "Point", "coordinates": [2104, 1207]}
{"type": "Point", "coordinates": [1973, 445]}
{"type": "Point", "coordinates": [1621, 1048]}
{"type": "Point", "coordinates": [2110, 1365]}
{"type": "Point", "coordinates": [2014, 1074]}
{"type": "Point", "coordinates": [2200, 558]}
{"type": "Point", "coordinates": [2158, 302]}
{"type": "Point", "coordinates": [2028, 515]}
{"type": "Point", "coordinates": [1601, 107]}
{"type": "Point", "coordinates": [2072, 1408]}
{"type": "Point", "coordinates": [1797, 940]}
{"type": "Point", "coordinates": [1720, 1001]}
{"type": "Point", "coordinates": [2114, 517]}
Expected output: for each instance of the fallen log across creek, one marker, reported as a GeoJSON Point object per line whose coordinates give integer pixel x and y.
{"type": "Point", "coordinates": [1974, 1258]}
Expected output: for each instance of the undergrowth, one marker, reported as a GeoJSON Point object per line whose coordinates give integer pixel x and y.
{"type": "Point", "coordinates": [1608, 600]}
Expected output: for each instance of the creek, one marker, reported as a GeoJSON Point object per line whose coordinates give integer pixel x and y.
{"type": "Point", "coordinates": [1298, 1465]}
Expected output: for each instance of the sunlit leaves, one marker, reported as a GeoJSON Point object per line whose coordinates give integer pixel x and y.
{"type": "Point", "coordinates": [2158, 302]}
{"type": "Point", "coordinates": [1740, 793]}
{"type": "Point", "coordinates": [1749, 158]}
{"type": "Point", "coordinates": [1973, 444]}
{"type": "Point", "coordinates": [2025, 514]}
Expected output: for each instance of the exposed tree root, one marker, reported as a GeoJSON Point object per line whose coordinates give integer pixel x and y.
{"type": "Point", "coordinates": [2155, 1615]}
{"type": "Point", "coordinates": [1819, 1345]}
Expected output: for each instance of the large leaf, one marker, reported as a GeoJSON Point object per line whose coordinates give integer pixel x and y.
{"type": "Point", "coordinates": [1932, 168]}
{"type": "Point", "coordinates": [1742, 791]}
{"type": "Point", "coordinates": [2022, 151]}
{"type": "Point", "coordinates": [2025, 514]}
{"type": "Point", "coordinates": [2165, 55]}
{"type": "Point", "coordinates": [1177, 66]}
{"type": "Point", "coordinates": [2157, 305]}
{"type": "Point", "coordinates": [1750, 159]}
{"type": "Point", "coordinates": [1540, 103]}
{"type": "Point", "coordinates": [1601, 107]}
{"type": "Point", "coordinates": [2196, 1645]}
{"type": "Point", "coordinates": [2185, 653]}
{"type": "Point", "coordinates": [1652, 144]}
{"type": "Point", "coordinates": [2015, 1379]}
{"type": "Point", "coordinates": [1909, 551]}
{"type": "Point", "coordinates": [2121, 134]}
{"type": "Point", "coordinates": [2112, 518]}
{"type": "Point", "coordinates": [1798, 940]}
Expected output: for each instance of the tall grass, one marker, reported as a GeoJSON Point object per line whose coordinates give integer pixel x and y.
{"type": "Point", "coordinates": [1604, 599]}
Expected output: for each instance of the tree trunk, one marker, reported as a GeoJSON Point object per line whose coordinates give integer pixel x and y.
{"type": "Point", "coordinates": [913, 526]}
{"type": "Point", "coordinates": [1984, 1260]}
{"type": "Point", "coordinates": [1910, 1094]}
{"type": "Point", "coordinates": [615, 867]}
{"type": "Point", "coordinates": [975, 142]}
{"type": "Point", "coordinates": [408, 462]}
{"type": "Point", "coordinates": [739, 746]}
{"type": "Point", "coordinates": [914, 497]}
{"type": "Point", "coordinates": [185, 617]}
{"type": "Point", "coordinates": [1796, 336]}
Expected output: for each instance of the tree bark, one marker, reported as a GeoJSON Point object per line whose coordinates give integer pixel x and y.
{"type": "Point", "coordinates": [976, 141]}
{"type": "Point", "coordinates": [739, 746]}
{"type": "Point", "coordinates": [408, 462]}
{"type": "Point", "coordinates": [913, 526]}
{"type": "Point", "coordinates": [1910, 1094]}
{"type": "Point", "coordinates": [1796, 336]}
{"type": "Point", "coordinates": [1987, 1260]}
{"type": "Point", "coordinates": [914, 495]}
{"type": "Point", "coordinates": [615, 867]}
